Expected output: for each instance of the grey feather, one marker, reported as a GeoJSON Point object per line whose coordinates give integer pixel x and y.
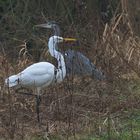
{"type": "Point", "coordinates": [78, 64]}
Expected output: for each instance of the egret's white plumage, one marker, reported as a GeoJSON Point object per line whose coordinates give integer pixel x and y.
{"type": "Point", "coordinates": [36, 75]}
{"type": "Point", "coordinates": [42, 74]}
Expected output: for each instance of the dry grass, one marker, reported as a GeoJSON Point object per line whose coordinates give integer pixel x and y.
{"type": "Point", "coordinates": [78, 105]}
{"type": "Point", "coordinates": [79, 108]}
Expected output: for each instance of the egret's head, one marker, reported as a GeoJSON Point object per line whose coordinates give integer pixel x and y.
{"type": "Point", "coordinates": [58, 39]}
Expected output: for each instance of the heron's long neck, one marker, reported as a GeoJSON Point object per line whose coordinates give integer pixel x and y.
{"type": "Point", "coordinates": [61, 70]}
{"type": "Point", "coordinates": [56, 30]}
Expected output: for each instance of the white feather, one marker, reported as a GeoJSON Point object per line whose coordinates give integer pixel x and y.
{"type": "Point", "coordinates": [41, 74]}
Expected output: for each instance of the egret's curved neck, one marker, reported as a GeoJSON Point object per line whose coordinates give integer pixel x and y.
{"type": "Point", "coordinates": [61, 69]}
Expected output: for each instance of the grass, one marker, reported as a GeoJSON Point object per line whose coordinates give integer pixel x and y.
{"type": "Point", "coordinates": [91, 110]}
{"type": "Point", "coordinates": [124, 125]}
{"type": "Point", "coordinates": [129, 129]}
{"type": "Point", "coordinates": [81, 108]}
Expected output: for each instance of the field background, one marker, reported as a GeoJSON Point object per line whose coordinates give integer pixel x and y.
{"type": "Point", "coordinates": [80, 108]}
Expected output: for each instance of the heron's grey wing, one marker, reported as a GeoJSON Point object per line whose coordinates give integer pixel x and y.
{"type": "Point", "coordinates": [78, 64]}
{"type": "Point", "coordinates": [96, 73]}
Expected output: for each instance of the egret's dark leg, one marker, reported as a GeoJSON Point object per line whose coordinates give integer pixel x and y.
{"type": "Point", "coordinates": [38, 101]}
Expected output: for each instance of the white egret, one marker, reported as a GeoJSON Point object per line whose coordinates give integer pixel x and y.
{"type": "Point", "coordinates": [42, 74]}
{"type": "Point", "coordinates": [76, 62]}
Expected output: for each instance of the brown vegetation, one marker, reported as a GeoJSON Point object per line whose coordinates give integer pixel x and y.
{"type": "Point", "coordinates": [78, 105]}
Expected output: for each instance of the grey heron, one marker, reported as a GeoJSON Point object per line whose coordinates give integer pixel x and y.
{"type": "Point", "coordinates": [76, 62]}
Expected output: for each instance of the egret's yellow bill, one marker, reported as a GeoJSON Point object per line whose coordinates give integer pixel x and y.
{"type": "Point", "coordinates": [70, 39]}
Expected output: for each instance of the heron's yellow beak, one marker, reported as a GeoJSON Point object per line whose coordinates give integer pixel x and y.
{"type": "Point", "coordinates": [70, 39]}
